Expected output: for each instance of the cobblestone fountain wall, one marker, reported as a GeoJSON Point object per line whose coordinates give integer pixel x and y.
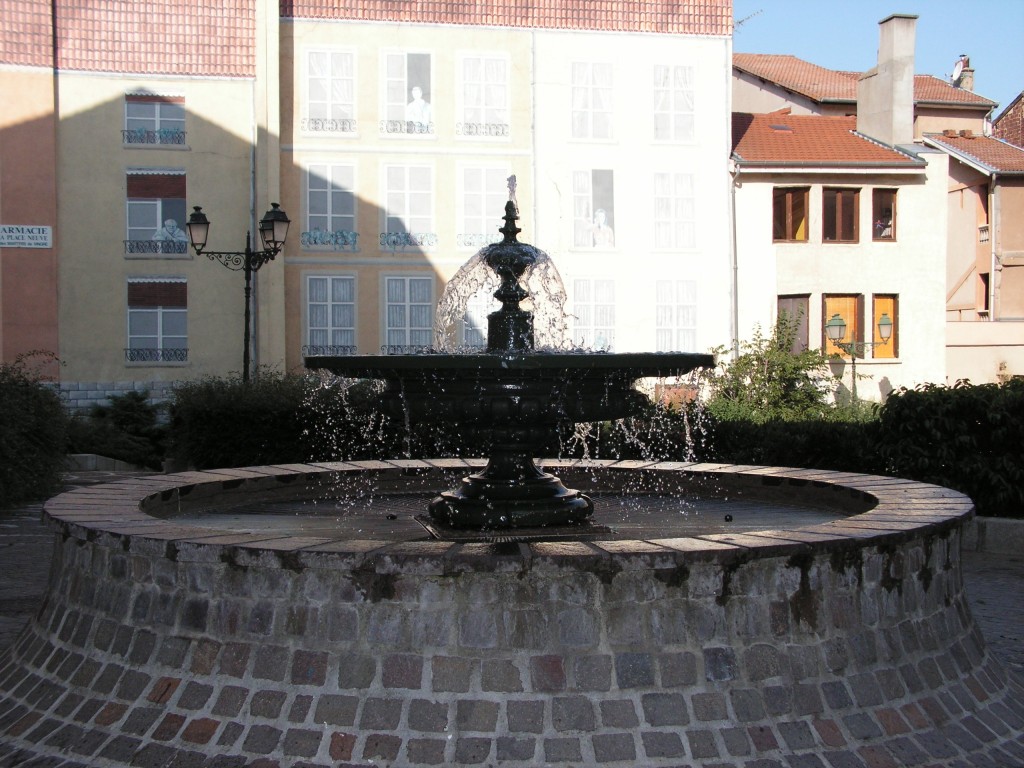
{"type": "Point", "coordinates": [840, 644]}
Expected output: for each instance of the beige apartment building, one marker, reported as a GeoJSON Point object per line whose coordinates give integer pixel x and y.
{"type": "Point", "coordinates": [388, 136]}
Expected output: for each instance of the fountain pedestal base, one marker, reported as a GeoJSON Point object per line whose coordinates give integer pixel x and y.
{"type": "Point", "coordinates": [511, 492]}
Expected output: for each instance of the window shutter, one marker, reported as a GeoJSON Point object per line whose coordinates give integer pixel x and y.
{"type": "Point", "coordinates": [156, 185]}
{"type": "Point", "coordinates": [158, 294]}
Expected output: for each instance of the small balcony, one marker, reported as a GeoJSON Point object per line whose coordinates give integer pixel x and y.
{"type": "Point", "coordinates": [161, 136]}
{"type": "Point", "coordinates": [329, 350]}
{"type": "Point", "coordinates": [328, 125]}
{"type": "Point", "coordinates": [483, 130]}
{"type": "Point", "coordinates": [156, 355]}
{"type": "Point", "coordinates": [165, 247]}
{"type": "Point", "coordinates": [983, 233]}
{"type": "Point", "coordinates": [406, 127]}
{"type": "Point", "coordinates": [338, 240]}
{"type": "Point", "coordinates": [394, 241]}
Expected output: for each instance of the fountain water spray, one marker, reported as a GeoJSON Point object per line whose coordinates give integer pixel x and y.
{"type": "Point", "coordinates": [513, 399]}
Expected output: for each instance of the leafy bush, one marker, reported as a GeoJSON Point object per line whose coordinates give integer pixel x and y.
{"type": "Point", "coordinates": [769, 381]}
{"type": "Point", "coordinates": [33, 426]}
{"type": "Point", "coordinates": [277, 418]}
{"type": "Point", "coordinates": [967, 437]}
{"type": "Point", "coordinates": [128, 429]}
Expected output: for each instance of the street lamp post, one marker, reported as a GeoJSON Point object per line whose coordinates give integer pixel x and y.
{"type": "Point", "coordinates": [273, 231]}
{"type": "Point", "coordinates": [835, 329]}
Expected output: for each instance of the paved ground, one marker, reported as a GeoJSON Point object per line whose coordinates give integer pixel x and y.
{"type": "Point", "coordinates": [993, 581]}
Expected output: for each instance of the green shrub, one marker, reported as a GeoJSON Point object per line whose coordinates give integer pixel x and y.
{"type": "Point", "coordinates": [128, 429]}
{"type": "Point", "coordinates": [278, 418]}
{"type": "Point", "coordinates": [225, 422]}
{"type": "Point", "coordinates": [967, 437]}
{"type": "Point", "coordinates": [769, 381]}
{"type": "Point", "coordinates": [33, 426]}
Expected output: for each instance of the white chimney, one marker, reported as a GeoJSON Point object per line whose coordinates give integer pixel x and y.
{"type": "Point", "coordinates": [885, 94]}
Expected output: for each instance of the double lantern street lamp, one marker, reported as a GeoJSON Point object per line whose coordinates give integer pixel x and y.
{"type": "Point", "coordinates": [835, 329]}
{"type": "Point", "coordinates": [273, 231]}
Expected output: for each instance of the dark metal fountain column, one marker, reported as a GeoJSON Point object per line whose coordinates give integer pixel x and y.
{"type": "Point", "coordinates": [511, 491]}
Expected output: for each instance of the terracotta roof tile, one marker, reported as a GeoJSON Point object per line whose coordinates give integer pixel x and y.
{"type": "Point", "coordinates": [779, 138]}
{"type": "Point", "coordinates": [820, 84]}
{"type": "Point", "coordinates": [26, 38]}
{"type": "Point", "coordinates": [196, 37]}
{"type": "Point", "coordinates": [993, 154]}
{"type": "Point", "coordinates": [690, 17]}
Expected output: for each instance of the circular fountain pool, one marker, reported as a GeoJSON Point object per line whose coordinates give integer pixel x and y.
{"type": "Point", "coordinates": [166, 641]}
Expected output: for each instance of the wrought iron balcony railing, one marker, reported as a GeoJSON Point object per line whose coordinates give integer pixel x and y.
{"type": "Point", "coordinates": [395, 240]}
{"type": "Point", "coordinates": [482, 130]}
{"type": "Point", "coordinates": [476, 241]}
{"type": "Point", "coordinates": [157, 136]}
{"type": "Point", "coordinates": [329, 350]}
{"type": "Point", "coordinates": [339, 239]}
{"type": "Point", "coordinates": [411, 127]}
{"type": "Point", "coordinates": [155, 246]}
{"type": "Point", "coordinates": [156, 355]}
{"type": "Point", "coordinates": [328, 124]}
{"type": "Point", "coordinates": [406, 349]}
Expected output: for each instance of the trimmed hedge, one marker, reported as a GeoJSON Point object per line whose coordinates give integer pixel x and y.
{"type": "Point", "coordinates": [128, 429]}
{"type": "Point", "coordinates": [276, 418]}
{"type": "Point", "coordinates": [33, 427]}
{"type": "Point", "coordinates": [967, 437]}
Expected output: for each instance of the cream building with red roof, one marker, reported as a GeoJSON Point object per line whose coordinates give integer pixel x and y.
{"type": "Point", "coordinates": [387, 132]}
{"type": "Point", "coordinates": [916, 115]}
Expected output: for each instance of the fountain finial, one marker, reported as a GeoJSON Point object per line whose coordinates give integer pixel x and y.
{"type": "Point", "coordinates": [510, 230]}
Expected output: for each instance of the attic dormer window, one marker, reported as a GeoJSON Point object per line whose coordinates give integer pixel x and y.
{"type": "Point", "coordinates": [783, 128]}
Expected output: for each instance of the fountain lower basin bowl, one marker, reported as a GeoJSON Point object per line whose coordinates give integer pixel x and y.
{"type": "Point", "coordinates": [164, 641]}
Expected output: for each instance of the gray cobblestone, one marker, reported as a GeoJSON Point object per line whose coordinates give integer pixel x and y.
{"type": "Point", "coordinates": [476, 715]}
{"type": "Point", "coordinates": [662, 744]}
{"type": "Point", "coordinates": [562, 750]}
{"type": "Point", "coordinates": [525, 716]}
{"type": "Point", "coordinates": [572, 713]}
{"type": "Point", "coordinates": [612, 747]}
{"type": "Point", "coordinates": [619, 714]}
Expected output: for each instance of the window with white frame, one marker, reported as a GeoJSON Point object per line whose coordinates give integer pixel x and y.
{"type": "Point", "coordinates": [485, 95]}
{"type": "Point", "coordinates": [593, 201]}
{"type": "Point", "coordinates": [409, 207]}
{"type": "Point", "coordinates": [157, 320]}
{"type": "Point", "coordinates": [483, 192]}
{"type": "Point", "coordinates": [674, 210]}
{"type": "Point", "coordinates": [673, 103]}
{"type": "Point", "coordinates": [593, 312]}
{"type": "Point", "coordinates": [676, 316]}
{"type": "Point", "coordinates": [592, 84]}
{"type": "Point", "coordinates": [408, 94]}
{"type": "Point", "coordinates": [152, 119]}
{"type": "Point", "coordinates": [330, 92]}
{"type": "Point", "coordinates": [409, 312]}
{"type": "Point", "coordinates": [331, 311]}
{"type": "Point", "coordinates": [155, 212]}
{"type": "Point", "coordinates": [330, 207]}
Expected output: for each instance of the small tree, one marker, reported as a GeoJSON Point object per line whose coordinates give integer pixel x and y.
{"type": "Point", "coordinates": [769, 380]}
{"type": "Point", "coordinates": [33, 426]}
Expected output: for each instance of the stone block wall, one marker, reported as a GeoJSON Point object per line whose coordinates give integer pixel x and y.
{"type": "Point", "coordinates": [80, 396]}
{"type": "Point", "coordinates": [166, 647]}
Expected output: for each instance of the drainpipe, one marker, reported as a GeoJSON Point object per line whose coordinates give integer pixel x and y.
{"type": "Point", "coordinates": [254, 227]}
{"type": "Point", "coordinates": [734, 298]}
{"type": "Point", "coordinates": [993, 229]}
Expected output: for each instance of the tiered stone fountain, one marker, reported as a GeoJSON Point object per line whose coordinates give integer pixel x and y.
{"type": "Point", "coordinates": [196, 620]}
